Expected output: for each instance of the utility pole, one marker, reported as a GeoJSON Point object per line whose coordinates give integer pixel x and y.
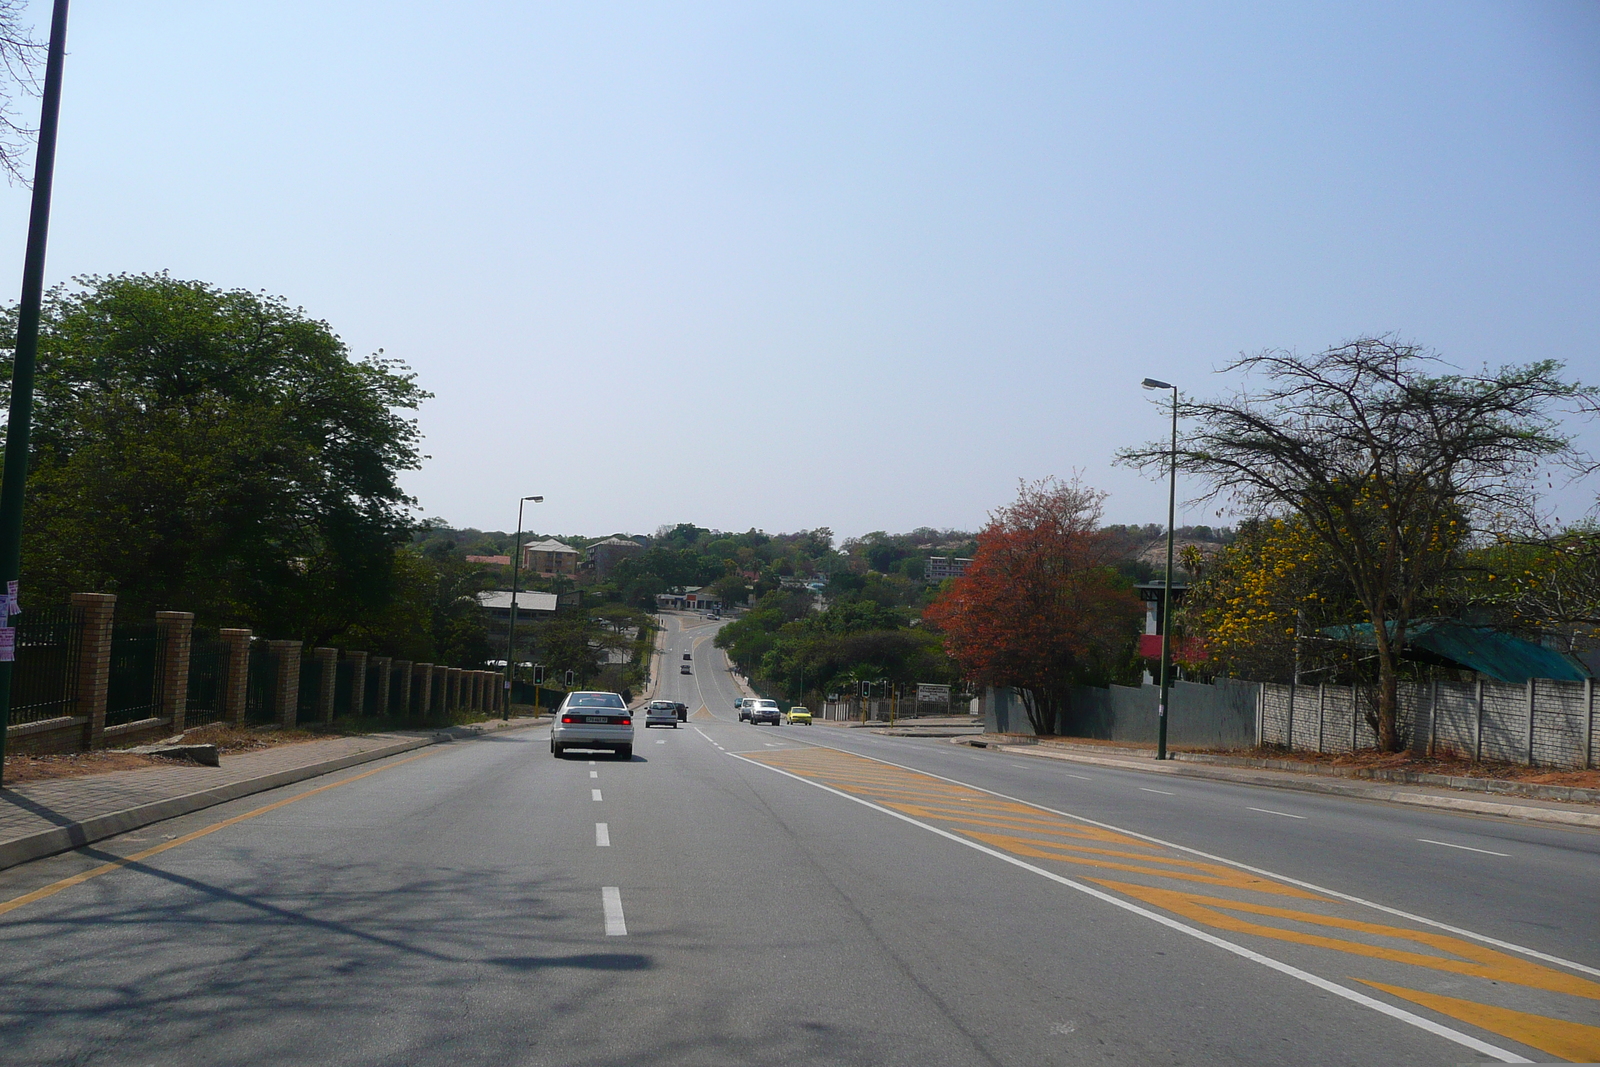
{"type": "Point", "coordinates": [511, 631]}
{"type": "Point", "coordinates": [20, 422]}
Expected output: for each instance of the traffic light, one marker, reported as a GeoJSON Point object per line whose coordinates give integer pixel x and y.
{"type": "Point", "coordinates": [866, 690]}
{"type": "Point", "coordinates": [570, 678]}
{"type": "Point", "coordinates": [538, 674]}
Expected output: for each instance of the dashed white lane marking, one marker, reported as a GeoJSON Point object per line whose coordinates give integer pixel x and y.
{"type": "Point", "coordinates": [1163, 792]}
{"type": "Point", "coordinates": [611, 901]}
{"type": "Point", "coordinates": [602, 835]}
{"type": "Point", "coordinates": [595, 793]}
{"type": "Point", "coordinates": [1269, 811]}
{"type": "Point", "coordinates": [1080, 777]}
{"type": "Point", "coordinates": [1465, 848]}
{"type": "Point", "coordinates": [591, 763]}
{"type": "Point", "coordinates": [594, 774]}
{"type": "Point", "coordinates": [660, 742]}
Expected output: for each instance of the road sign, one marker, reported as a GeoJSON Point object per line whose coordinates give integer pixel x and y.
{"type": "Point", "coordinates": [932, 694]}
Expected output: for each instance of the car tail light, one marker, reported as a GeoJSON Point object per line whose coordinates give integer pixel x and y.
{"type": "Point", "coordinates": [566, 718]}
{"type": "Point", "coordinates": [627, 721]}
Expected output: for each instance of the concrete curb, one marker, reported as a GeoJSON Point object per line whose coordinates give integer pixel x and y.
{"type": "Point", "coordinates": [98, 828]}
{"type": "Point", "coordinates": [1357, 788]}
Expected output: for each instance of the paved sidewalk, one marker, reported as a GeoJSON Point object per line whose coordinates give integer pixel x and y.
{"type": "Point", "coordinates": [1450, 799]}
{"type": "Point", "coordinates": [45, 817]}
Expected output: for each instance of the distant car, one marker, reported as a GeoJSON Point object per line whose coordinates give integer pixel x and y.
{"type": "Point", "coordinates": [661, 713]}
{"type": "Point", "coordinates": [593, 720]}
{"type": "Point", "coordinates": [766, 711]}
{"type": "Point", "coordinates": [684, 668]}
{"type": "Point", "coordinates": [688, 655]}
{"type": "Point", "coordinates": [799, 716]}
{"type": "Point", "coordinates": [742, 706]}
{"type": "Point", "coordinates": [683, 712]}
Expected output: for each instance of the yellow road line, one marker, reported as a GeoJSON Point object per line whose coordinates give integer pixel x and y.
{"type": "Point", "coordinates": [1569, 1040]}
{"type": "Point", "coordinates": [117, 864]}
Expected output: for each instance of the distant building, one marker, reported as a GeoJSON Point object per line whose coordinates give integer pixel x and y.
{"type": "Point", "coordinates": [549, 558]}
{"type": "Point", "coordinates": [605, 555]}
{"type": "Point", "coordinates": [691, 599]}
{"type": "Point", "coordinates": [497, 603]}
{"type": "Point", "coordinates": [941, 567]}
{"type": "Point", "coordinates": [491, 561]}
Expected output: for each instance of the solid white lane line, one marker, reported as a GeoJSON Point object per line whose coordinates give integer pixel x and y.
{"type": "Point", "coordinates": [1269, 811]}
{"type": "Point", "coordinates": [1460, 931]}
{"type": "Point", "coordinates": [1464, 848]}
{"type": "Point", "coordinates": [594, 774]}
{"type": "Point", "coordinates": [1428, 1025]}
{"type": "Point", "coordinates": [1163, 792]}
{"type": "Point", "coordinates": [611, 901]}
{"type": "Point", "coordinates": [602, 835]}
{"type": "Point", "coordinates": [595, 793]}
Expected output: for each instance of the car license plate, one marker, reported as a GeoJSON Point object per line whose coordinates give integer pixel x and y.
{"type": "Point", "coordinates": [595, 718]}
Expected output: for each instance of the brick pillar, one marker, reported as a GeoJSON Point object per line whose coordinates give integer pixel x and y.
{"type": "Point", "coordinates": [328, 683]}
{"type": "Point", "coordinates": [177, 633]}
{"type": "Point", "coordinates": [424, 685]}
{"type": "Point", "coordinates": [93, 669]}
{"type": "Point", "coordinates": [237, 693]}
{"type": "Point", "coordinates": [402, 674]}
{"type": "Point", "coordinates": [382, 666]}
{"type": "Point", "coordinates": [358, 683]}
{"type": "Point", "coordinates": [286, 668]}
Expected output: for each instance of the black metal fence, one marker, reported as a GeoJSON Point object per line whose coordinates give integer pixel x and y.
{"type": "Point", "coordinates": [43, 683]}
{"type": "Point", "coordinates": [137, 650]}
{"type": "Point", "coordinates": [306, 710]}
{"type": "Point", "coordinates": [261, 688]}
{"type": "Point", "coordinates": [208, 678]}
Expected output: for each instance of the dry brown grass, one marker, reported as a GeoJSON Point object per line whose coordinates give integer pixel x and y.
{"type": "Point", "coordinates": [228, 739]}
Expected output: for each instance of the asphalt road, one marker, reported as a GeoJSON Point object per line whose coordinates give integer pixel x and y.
{"type": "Point", "coordinates": [739, 894]}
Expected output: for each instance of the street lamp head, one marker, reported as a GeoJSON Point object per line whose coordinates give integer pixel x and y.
{"type": "Point", "coordinates": [535, 499]}
{"type": "Point", "coordinates": [1154, 383]}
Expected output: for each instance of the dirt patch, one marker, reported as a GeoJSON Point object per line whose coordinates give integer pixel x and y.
{"type": "Point", "coordinates": [1371, 759]}
{"type": "Point", "coordinates": [228, 739]}
{"type": "Point", "coordinates": [21, 769]}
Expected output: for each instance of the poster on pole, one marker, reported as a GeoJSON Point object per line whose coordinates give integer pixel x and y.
{"type": "Point", "coordinates": [932, 694]}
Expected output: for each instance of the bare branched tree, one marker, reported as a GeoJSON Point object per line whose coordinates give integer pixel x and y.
{"type": "Point", "coordinates": [1388, 461]}
{"type": "Point", "coordinates": [21, 56]}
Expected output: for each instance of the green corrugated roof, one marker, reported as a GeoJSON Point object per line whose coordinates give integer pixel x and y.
{"type": "Point", "coordinates": [1479, 648]}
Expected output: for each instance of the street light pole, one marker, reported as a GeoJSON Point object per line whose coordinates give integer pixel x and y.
{"type": "Point", "coordinates": [1166, 592]}
{"type": "Point", "coordinates": [511, 632]}
{"type": "Point", "coordinates": [20, 422]}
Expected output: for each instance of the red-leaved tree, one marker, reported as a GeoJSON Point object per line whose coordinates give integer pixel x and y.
{"type": "Point", "coordinates": [1039, 609]}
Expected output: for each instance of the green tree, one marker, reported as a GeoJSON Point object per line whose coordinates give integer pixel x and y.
{"type": "Point", "coordinates": [1386, 462]}
{"type": "Point", "coordinates": [216, 451]}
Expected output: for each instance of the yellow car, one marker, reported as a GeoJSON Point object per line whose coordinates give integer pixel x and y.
{"type": "Point", "coordinates": [799, 717]}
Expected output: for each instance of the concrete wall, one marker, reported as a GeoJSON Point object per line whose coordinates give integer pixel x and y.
{"type": "Point", "coordinates": [1219, 716]}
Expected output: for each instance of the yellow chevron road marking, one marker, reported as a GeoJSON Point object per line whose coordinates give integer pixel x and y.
{"type": "Point", "coordinates": [1571, 1041]}
{"type": "Point", "coordinates": [1026, 831]}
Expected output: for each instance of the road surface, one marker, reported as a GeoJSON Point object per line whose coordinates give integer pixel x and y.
{"type": "Point", "coordinates": [738, 894]}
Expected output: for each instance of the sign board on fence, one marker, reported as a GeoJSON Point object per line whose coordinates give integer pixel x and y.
{"type": "Point", "coordinates": [933, 694]}
{"type": "Point", "coordinates": [8, 644]}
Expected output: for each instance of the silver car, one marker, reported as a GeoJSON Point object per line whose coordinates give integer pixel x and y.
{"type": "Point", "coordinates": [593, 720]}
{"type": "Point", "coordinates": [661, 713]}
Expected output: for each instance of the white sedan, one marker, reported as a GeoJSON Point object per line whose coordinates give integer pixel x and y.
{"type": "Point", "coordinates": [593, 720]}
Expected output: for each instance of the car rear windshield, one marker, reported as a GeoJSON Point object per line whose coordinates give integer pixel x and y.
{"type": "Point", "coordinates": [765, 704]}
{"type": "Point", "coordinates": [595, 700]}
{"type": "Point", "coordinates": [662, 705]}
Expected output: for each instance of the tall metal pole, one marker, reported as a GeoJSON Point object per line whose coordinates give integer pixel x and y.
{"type": "Point", "coordinates": [20, 421]}
{"type": "Point", "coordinates": [1166, 592]}
{"type": "Point", "coordinates": [511, 633]}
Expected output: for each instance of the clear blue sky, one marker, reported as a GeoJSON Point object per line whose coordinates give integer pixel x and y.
{"type": "Point", "coordinates": [861, 265]}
